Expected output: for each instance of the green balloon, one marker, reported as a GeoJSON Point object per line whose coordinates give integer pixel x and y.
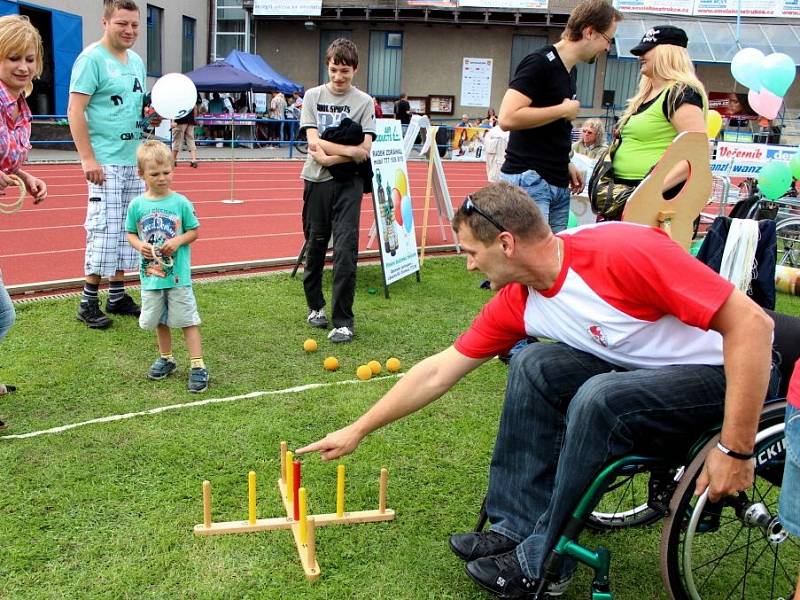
{"type": "Point", "coordinates": [572, 221]}
{"type": "Point", "coordinates": [774, 179]}
{"type": "Point", "coordinates": [794, 164]}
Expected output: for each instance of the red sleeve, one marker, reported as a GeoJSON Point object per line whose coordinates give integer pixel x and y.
{"type": "Point", "coordinates": [793, 395]}
{"type": "Point", "coordinates": [647, 275]}
{"type": "Point", "coordinates": [500, 324]}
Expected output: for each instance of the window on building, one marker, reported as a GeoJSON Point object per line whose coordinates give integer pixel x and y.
{"type": "Point", "coordinates": [187, 50]}
{"type": "Point", "coordinates": [233, 27]}
{"type": "Point", "coordinates": [585, 75]}
{"type": "Point", "coordinates": [521, 46]}
{"type": "Point", "coordinates": [385, 63]}
{"type": "Point", "coordinates": [155, 20]}
{"type": "Point", "coordinates": [622, 76]}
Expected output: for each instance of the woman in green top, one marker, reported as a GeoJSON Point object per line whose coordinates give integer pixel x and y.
{"type": "Point", "coordinates": [670, 100]}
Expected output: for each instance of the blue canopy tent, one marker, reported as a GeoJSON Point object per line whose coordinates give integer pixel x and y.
{"type": "Point", "coordinates": [254, 64]}
{"type": "Point", "coordinates": [221, 76]}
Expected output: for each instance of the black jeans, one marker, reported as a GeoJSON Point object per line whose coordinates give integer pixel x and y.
{"type": "Point", "coordinates": [332, 208]}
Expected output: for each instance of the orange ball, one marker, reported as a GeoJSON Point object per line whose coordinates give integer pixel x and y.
{"type": "Point", "coordinates": [310, 345]}
{"type": "Point", "coordinates": [374, 366]}
{"type": "Point", "coordinates": [363, 372]}
{"type": "Point", "coordinates": [331, 363]}
{"type": "Point", "coordinates": [393, 365]}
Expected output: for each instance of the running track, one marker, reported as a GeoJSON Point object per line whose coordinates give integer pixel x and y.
{"type": "Point", "coordinates": [46, 242]}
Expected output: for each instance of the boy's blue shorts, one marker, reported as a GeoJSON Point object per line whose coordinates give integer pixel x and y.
{"type": "Point", "coordinates": [790, 488]}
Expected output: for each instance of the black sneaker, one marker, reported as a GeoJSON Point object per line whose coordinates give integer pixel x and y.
{"type": "Point", "coordinates": [3, 426]}
{"type": "Point", "coordinates": [161, 368]}
{"type": "Point", "coordinates": [340, 335]}
{"type": "Point", "coordinates": [317, 318]}
{"type": "Point", "coordinates": [503, 576]}
{"type": "Point", "coordinates": [469, 546]}
{"type": "Point", "coordinates": [126, 306]}
{"type": "Point", "coordinates": [198, 380]}
{"type": "Point", "coordinates": [91, 314]}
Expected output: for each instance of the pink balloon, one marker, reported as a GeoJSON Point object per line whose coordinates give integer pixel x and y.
{"type": "Point", "coordinates": [765, 103]}
{"type": "Point", "coordinates": [396, 204]}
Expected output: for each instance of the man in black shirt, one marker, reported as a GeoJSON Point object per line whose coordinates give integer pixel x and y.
{"type": "Point", "coordinates": [402, 110]}
{"type": "Point", "coordinates": [540, 105]}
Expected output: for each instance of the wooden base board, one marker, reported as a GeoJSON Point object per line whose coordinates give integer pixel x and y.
{"type": "Point", "coordinates": [311, 569]}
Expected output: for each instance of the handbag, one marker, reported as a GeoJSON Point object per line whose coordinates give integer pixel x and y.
{"type": "Point", "coordinates": [607, 197]}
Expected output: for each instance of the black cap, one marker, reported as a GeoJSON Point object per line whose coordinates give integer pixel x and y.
{"type": "Point", "coordinates": [658, 35]}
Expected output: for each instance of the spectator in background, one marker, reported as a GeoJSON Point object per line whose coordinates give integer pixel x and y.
{"type": "Point", "coordinates": [183, 129]}
{"type": "Point", "coordinates": [216, 105]}
{"type": "Point", "coordinates": [491, 117]}
{"type": "Point", "coordinates": [277, 110]}
{"type": "Point", "coordinates": [402, 111]}
{"type": "Point", "coordinates": [378, 109]}
{"type": "Point", "coordinates": [494, 145]}
{"type": "Point", "coordinates": [593, 139]}
{"type": "Point", "coordinates": [464, 122]}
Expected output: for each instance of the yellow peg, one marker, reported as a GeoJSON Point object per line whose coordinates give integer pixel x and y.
{"type": "Point", "coordinates": [284, 447]}
{"type": "Point", "coordinates": [289, 477]}
{"type": "Point", "coordinates": [303, 514]}
{"type": "Point", "coordinates": [340, 491]}
{"type": "Point", "coordinates": [251, 497]}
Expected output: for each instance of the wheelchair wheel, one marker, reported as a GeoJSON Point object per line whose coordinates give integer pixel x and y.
{"type": "Point", "coordinates": [788, 233]}
{"type": "Point", "coordinates": [624, 504]}
{"type": "Point", "coordinates": [737, 547]}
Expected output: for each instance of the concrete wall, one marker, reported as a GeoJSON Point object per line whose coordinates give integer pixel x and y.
{"type": "Point", "coordinates": [172, 27]}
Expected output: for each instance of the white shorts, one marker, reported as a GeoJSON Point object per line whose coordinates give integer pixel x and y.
{"type": "Point", "coordinates": [174, 307]}
{"type": "Point", "coordinates": [107, 247]}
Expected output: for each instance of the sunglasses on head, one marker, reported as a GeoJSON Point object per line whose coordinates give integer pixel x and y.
{"type": "Point", "coordinates": [469, 207]}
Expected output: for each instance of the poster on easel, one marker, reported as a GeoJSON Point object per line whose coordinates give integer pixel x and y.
{"type": "Point", "coordinates": [436, 187]}
{"type": "Point", "coordinates": [391, 198]}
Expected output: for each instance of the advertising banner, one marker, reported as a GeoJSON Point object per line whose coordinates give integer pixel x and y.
{"type": "Point", "coordinates": [391, 197]}
{"type": "Point", "coordinates": [746, 160]}
{"type": "Point", "coordinates": [468, 144]}
{"type": "Point", "coordinates": [476, 81]}
{"type": "Point", "coordinates": [298, 8]}
{"type": "Point", "coordinates": [674, 7]}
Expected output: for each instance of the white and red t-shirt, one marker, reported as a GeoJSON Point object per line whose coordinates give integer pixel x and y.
{"type": "Point", "coordinates": [793, 395]}
{"type": "Point", "coordinates": [626, 293]}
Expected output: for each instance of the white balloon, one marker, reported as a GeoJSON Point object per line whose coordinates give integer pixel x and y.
{"type": "Point", "coordinates": [174, 96]}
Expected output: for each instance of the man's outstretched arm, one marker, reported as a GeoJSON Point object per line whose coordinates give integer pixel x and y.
{"type": "Point", "coordinates": [425, 382]}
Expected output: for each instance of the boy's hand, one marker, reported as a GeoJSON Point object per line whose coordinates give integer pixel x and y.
{"type": "Point", "coordinates": [169, 247]}
{"type": "Point", "coordinates": [319, 155]}
{"type": "Point", "coordinates": [358, 154]}
{"type": "Point", "coordinates": [148, 251]}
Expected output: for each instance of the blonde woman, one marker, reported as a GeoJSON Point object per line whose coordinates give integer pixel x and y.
{"type": "Point", "coordinates": [671, 99]}
{"type": "Point", "coordinates": [20, 63]}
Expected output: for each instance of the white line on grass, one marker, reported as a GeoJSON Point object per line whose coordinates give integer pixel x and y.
{"type": "Point", "coordinates": [160, 409]}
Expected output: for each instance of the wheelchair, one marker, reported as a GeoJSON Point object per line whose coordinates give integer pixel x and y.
{"type": "Point", "coordinates": [735, 548]}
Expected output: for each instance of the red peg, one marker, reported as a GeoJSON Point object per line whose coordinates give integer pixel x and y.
{"type": "Point", "coordinates": [296, 485]}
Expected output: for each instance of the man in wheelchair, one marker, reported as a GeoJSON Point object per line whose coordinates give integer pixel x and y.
{"type": "Point", "coordinates": [651, 349]}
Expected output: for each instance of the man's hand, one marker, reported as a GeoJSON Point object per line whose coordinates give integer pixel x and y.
{"type": "Point", "coordinates": [35, 186]}
{"type": "Point", "coordinates": [571, 108]}
{"type": "Point", "coordinates": [724, 476]}
{"type": "Point", "coordinates": [335, 444]}
{"type": "Point", "coordinates": [575, 179]}
{"type": "Point", "coordinates": [6, 180]}
{"type": "Point", "coordinates": [93, 171]}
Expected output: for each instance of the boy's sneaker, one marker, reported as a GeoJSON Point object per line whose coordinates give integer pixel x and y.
{"type": "Point", "coordinates": [341, 334]}
{"type": "Point", "coordinates": [198, 380]}
{"type": "Point", "coordinates": [161, 368]}
{"type": "Point", "coordinates": [91, 314]}
{"type": "Point", "coordinates": [317, 318]}
{"type": "Point", "coordinates": [126, 306]}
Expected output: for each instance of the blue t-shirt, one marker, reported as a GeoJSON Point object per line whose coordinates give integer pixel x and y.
{"type": "Point", "coordinates": [155, 222]}
{"type": "Point", "coordinates": [114, 112]}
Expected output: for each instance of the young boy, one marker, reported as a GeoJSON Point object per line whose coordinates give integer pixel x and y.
{"type": "Point", "coordinates": [332, 205]}
{"type": "Point", "coordinates": [161, 224]}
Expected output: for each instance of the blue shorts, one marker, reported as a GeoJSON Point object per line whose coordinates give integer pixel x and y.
{"type": "Point", "coordinates": [174, 307]}
{"type": "Point", "coordinates": [790, 488]}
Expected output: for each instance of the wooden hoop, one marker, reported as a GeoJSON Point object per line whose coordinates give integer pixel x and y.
{"type": "Point", "coordinates": [12, 207]}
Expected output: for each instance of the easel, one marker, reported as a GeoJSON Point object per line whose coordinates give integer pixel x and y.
{"type": "Point", "coordinates": [676, 216]}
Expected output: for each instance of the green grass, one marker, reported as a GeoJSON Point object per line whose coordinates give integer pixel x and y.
{"type": "Point", "coordinates": [107, 510]}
